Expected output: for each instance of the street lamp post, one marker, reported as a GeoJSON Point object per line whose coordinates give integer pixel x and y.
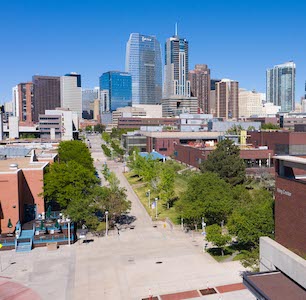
{"type": "Point", "coordinates": [149, 195]}
{"type": "Point", "coordinates": [156, 208]}
{"type": "Point", "coordinates": [68, 221]}
{"type": "Point", "coordinates": [106, 217]}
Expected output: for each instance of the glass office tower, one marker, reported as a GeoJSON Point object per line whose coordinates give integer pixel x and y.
{"type": "Point", "coordinates": [143, 62]}
{"type": "Point", "coordinates": [119, 86]}
{"type": "Point", "coordinates": [281, 86]}
{"type": "Point", "coordinates": [176, 81]}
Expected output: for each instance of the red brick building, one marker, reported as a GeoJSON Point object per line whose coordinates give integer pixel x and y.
{"type": "Point", "coordinates": [164, 142]}
{"type": "Point", "coordinates": [290, 204]}
{"type": "Point", "coordinates": [281, 142]}
{"type": "Point", "coordinates": [255, 159]}
{"type": "Point", "coordinates": [21, 183]}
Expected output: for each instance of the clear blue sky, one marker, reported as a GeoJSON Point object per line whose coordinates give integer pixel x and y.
{"type": "Point", "coordinates": [238, 39]}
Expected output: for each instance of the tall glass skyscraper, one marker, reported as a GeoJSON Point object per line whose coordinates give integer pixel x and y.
{"type": "Point", "coordinates": [119, 86]}
{"type": "Point", "coordinates": [281, 86]}
{"type": "Point", "coordinates": [176, 67]}
{"type": "Point", "coordinates": [143, 62]}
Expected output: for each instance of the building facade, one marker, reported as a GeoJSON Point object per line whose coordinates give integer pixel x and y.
{"type": "Point", "coordinates": [250, 103]}
{"type": "Point", "coordinates": [71, 93]}
{"type": "Point", "coordinates": [25, 103]}
{"type": "Point", "coordinates": [200, 86]}
{"type": "Point", "coordinates": [176, 81]}
{"type": "Point", "coordinates": [88, 98]}
{"type": "Point", "coordinates": [281, 86]}
{"type": "Point", "coordinates": [46, 94]}
{"type": "Point", "coordinates": [119, 87]}
{"type": "Point", "coordinates": [143, 62]}
{"type": "Point", "coordinates": [173, 106]}
{"type": "Point", "coordinates": [227, 99]}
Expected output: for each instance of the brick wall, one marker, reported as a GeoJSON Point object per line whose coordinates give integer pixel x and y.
{"type": "Point", "coordinates": [290, 214]}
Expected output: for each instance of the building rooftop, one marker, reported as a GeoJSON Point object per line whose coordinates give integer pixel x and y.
{"type": "Point", "coordinates": [293, 159]}
{"type": "Point", "coordinates": [181, 135]}
{"type": "Point", "coordinates": [273, 285]}
{"type": "Point", "coordinates": [21, 162]}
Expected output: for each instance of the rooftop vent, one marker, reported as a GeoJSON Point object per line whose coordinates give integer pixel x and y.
{"type": "Point", "coordinates": [13, 166]}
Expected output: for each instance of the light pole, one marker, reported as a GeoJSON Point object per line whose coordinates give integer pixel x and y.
{"type": "Point", "coordinates": [68, 220]}
{"type": "Point", "coordinates": [182, 224]}
{"type": "Point", "coordinates": [149, 196]}
{"type": "Point", "coordinates": [106, 217]}
{"type": "Point", "coordinates": [156, 208]}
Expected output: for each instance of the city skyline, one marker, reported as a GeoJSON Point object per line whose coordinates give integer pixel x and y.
{"type": "Point", "coordinates": [55, 48]}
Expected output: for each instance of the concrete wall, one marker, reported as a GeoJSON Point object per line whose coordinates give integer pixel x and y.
{"type": "Point", "coordinates": [274, 255]}
{"type": "Point", "coordinates": [13, 127]}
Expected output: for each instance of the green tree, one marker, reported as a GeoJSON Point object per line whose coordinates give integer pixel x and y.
{"type": "Point", "coordinates": [67, 182]}
{"type": "Point", "coordinates": [99, 128]}
{"type": "Point", "coordinates": [166, 184]}
{"type": "Point", "coordinates": [226, 162]}
{"type": "Point", "coordinates": [215, 236]}
{"type": "Point", "coordinates": [106, 137]}
{"type": "Point", "coordinates": [88, 128]}
{"type": "Point", "coordinates": [235, 129]}
{"type": "Point", "coordinates": [253, 219]}
{"type": "Point", "coordinates": [207, 196]}
{"type": "Point", "coordinates": [75, 151]}
{"type": "Point", "coordinates": [106, 150]}
{"type": "Point", "coordinates": [269, 126]}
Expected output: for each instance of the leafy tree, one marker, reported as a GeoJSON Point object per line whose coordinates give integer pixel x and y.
{"type": "Point", "coordinates": [112, 199]}
{"type": "Point", "coordinates": [166, 184]}
{"type": "Point", "coordinates": [250, 259]}
{"type": "Point", "coordinates": [67, 182]}
{"type": "Point", "coordinates": [106, 150]}
{"type": "Point", "coordinates": [251, 128]}
{"type": "Point", "coordinates": [88, 128]}
{"type": "Point", "coordinates": [106, 137]}
{"type": "Point", "coordinates": [253, 219]}
{"type": "Point", "coordinates": [215, 236]}
{"type": "Point", "coordinates": [75, 151]}
{"type": "Point", "coordinates": [207, 196]}
{"type": "Point", "coordinates": [226, 162]}
{"type": "Point", "coordinates": [269, 126]}
{"type": "Point", "coordinates": [99, 128]}
{"type": "Point", "coordinates": [235, 129]}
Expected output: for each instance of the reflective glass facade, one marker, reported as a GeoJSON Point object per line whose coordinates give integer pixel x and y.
{"type": "Point", "coordinates": [143, 62]}
{"type": "Point", "coordinates": [281, 86]}
{"type": "Point", "coordinates": [119, 85]}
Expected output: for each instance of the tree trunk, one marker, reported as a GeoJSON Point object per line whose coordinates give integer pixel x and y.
{"type": "Point", "coordinates": [222, 251]}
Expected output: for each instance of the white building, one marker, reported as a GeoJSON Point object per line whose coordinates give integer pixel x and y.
{"type": "Point", "coordinates": [71, 93]}
{"type": "Point", "coordinates": [269, 109]}
{"type": "Point", "coordinates": [250, 103]}
{"type": "Point", "coordinates": [15, 99]}
{"type": "Point", "coordinates": [69, 122]}
{"type": "Point", "coordinates": [152, 111]}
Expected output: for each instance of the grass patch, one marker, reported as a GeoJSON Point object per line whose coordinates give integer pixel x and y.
{"type": "Point", "coordinates": [217, 254]}
{"type": "Point", "coordinates": [180, 186]}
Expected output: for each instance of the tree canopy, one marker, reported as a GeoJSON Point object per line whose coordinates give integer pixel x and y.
{"type": "Point", "coordinates": [253, 218]}
{"type": "Point", "coordinates": [65, 182]}
{"type": "Point", "coordinates": [76, 151]}
{"type": "Point", "coordinates": [226, 162]}
{"type": "Point", "coordinates": [207, 196]}
{"type": "Point", "coordinates": [214, 235]}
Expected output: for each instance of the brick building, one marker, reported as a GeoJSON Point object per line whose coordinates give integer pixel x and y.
{"type": "Point", "coordinates": [281, 142]}
{"type": "Point", "coordinates": [290, 205]}
{"type": "Point", "coordinates": [132, 122]}
{"type": "Point", "coordinates": [256, 159]}
{"type": "Point", "coordinates": [164, 142]}
{"type": "Point", "coordinates": [21, 183]}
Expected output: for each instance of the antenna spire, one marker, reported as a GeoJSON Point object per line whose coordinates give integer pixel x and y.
{"type": "Point", "coordinates": [176, 29]}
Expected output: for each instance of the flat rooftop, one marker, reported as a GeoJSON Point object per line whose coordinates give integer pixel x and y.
{"type": "Point", "coordinates": [181, 135]}
{"type": "Point", "coordinates": [22, 162]}
{"type": "Point", "coordinates": [273, 285]}
{"type": "Point", "coordinates": [293, 159]}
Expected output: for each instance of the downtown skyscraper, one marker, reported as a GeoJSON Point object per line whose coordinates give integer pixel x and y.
{"type": "Point", "coordinates": [281, 86]}
{"type": "Point", "coordinates": [176, 67]}
{"type": "Point", "coordinates": [143, 62]}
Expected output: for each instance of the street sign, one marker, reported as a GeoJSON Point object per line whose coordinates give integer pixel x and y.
{"type": "Point", "coordinates": [153, 205]}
